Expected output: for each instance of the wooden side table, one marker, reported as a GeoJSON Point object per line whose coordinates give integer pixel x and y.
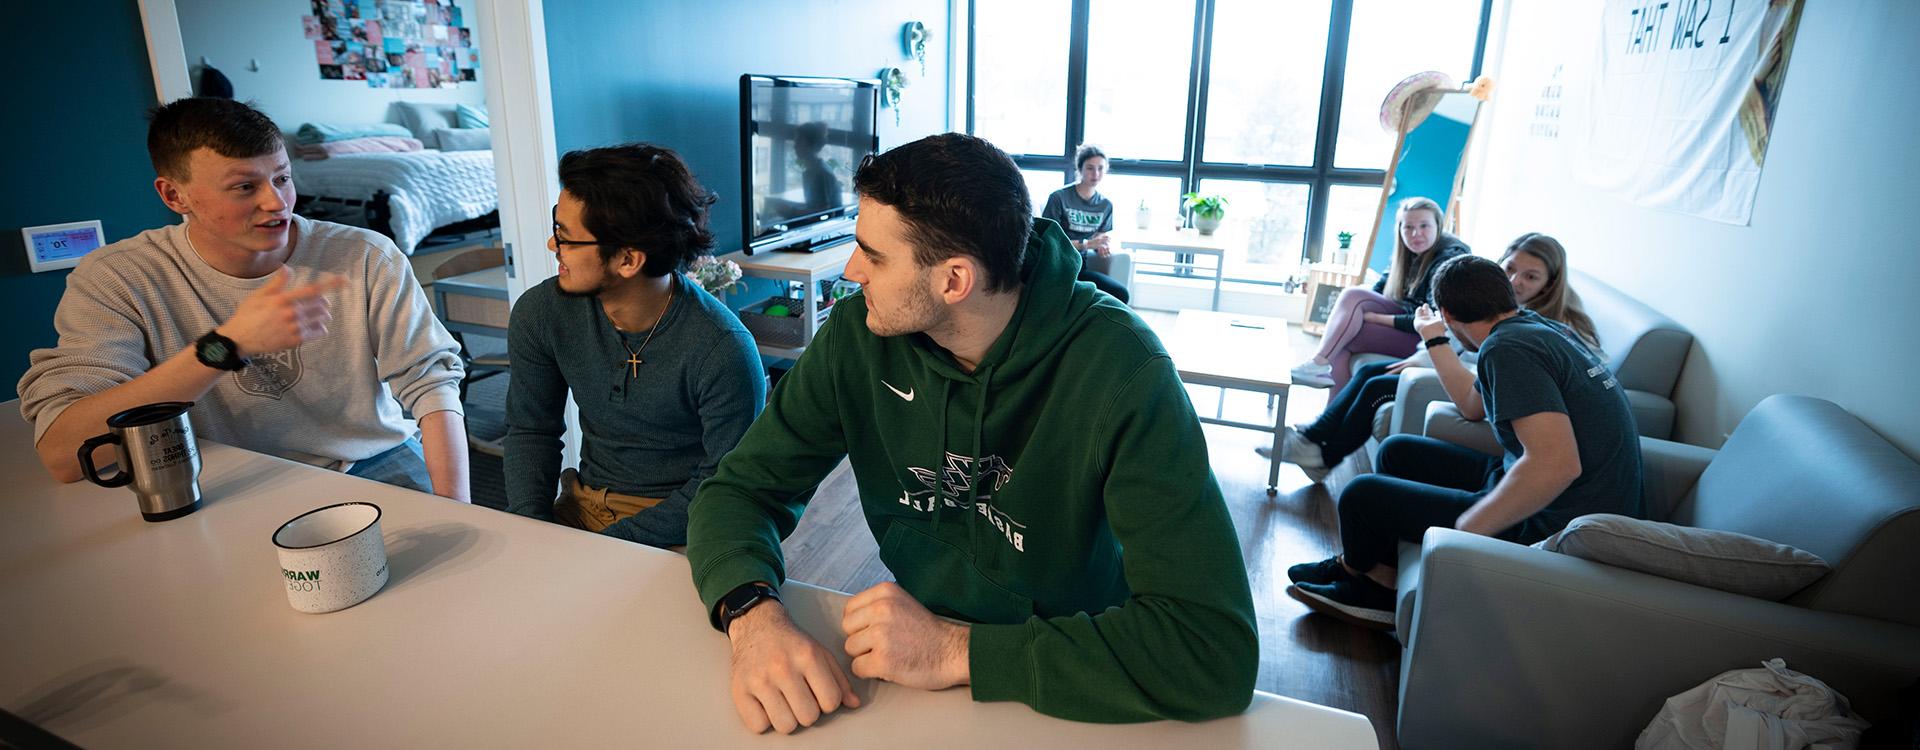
{"type": "Point", "coordinates": [1324, 283]}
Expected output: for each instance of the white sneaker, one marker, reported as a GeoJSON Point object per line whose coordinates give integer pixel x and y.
{"type": "Point", "coordinates": [1296, 449]}
{"type": "Point", "coordinates": [1313, 374]}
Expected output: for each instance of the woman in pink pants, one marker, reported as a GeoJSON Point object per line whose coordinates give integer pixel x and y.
{"type": "Point", "coordinates": [1382, 320]}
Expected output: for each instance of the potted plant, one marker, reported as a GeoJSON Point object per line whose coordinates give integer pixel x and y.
{"type": "Point", "coordinates": [1207, 210]}
{"type": "Point", "coordinates": [1346, 240]}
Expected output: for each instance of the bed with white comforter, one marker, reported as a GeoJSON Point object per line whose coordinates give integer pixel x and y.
{"type": "Point", "coordinates": [428, 189]}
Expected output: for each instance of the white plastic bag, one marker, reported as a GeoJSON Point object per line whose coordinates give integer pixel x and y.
{"type": "Point", "coordinates": [1774, 708]}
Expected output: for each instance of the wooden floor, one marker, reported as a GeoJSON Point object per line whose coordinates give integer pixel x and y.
{"type": "Point", "coordinates": [1304, 656]}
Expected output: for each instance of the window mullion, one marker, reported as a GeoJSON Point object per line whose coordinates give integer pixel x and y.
{"type": "Point", "coordinates": [1197, 78]}
{"type": "Point", "coordinates": [1076, 125]}
{"type": "Point", "coordinates": [1332, 82]}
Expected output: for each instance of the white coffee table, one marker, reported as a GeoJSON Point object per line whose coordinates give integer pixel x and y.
{"type": "Point", "coordinates": [1180, 242]}
{"type": "Point", "coordinates": [1239, 352]}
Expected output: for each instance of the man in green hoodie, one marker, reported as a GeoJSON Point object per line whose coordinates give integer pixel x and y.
{"type": "Point", "coordinates": [1011, 432]}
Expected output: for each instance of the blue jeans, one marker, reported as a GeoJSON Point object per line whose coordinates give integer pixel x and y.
{"type": "Point", "coordinates": [403, 465]}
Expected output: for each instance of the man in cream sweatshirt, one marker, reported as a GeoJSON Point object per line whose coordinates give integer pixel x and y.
{"type": "Point", "coordinates": [301, 339]}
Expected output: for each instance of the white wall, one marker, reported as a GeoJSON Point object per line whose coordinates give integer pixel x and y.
{"type": "Point", "coordinates": [1817, 296]}
{"type": "Point", "coordinates": [288, 86]}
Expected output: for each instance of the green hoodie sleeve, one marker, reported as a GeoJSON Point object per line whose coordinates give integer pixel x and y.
{"type": "Point", "coordinates": [1184, 645]}
{"type": "Point", "coordinates": [755, 497]}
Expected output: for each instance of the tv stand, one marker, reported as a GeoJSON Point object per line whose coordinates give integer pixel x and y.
{"type": "Point", "coordinates": [825, 262]}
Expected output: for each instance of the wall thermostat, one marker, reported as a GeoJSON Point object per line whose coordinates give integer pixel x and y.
{"type": "Point", "coordinates": [61, 245]}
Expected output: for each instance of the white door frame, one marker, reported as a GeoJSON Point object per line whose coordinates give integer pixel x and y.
{"type": "Point", "coordinates": [513, 42]}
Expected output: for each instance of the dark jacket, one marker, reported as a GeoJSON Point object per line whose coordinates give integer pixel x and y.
{"type": "Point", "coordinates": [1444, 248]}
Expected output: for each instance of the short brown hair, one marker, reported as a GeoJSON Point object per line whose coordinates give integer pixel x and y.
{"type": "Point", "coordinates": [1472, 289]}
{"type": "Point", "coordinates": [232, 129]}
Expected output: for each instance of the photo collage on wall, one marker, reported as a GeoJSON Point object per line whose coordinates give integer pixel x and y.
{"type": "Point", "coordinates": [397, 44]}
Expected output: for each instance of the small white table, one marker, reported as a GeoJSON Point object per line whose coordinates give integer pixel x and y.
{"type": "Point", "coordinates": [1240, 352]}
{"type": "Point", "coordinates": [1180, 242]}
{"type": "Point", "coordinates": [808, 269]}
{"type": "Point", "coordinates": [494, 631]}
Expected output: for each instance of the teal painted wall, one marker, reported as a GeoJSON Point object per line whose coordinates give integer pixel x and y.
{"type": "Point", "coordinates": [669, 73]}
{"type": "Point", "coordinates": [75, 149]}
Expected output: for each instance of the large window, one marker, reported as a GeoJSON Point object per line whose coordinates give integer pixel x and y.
{"type": "Point", "coordinates": [1023, 110]}
{"type": "Point", "coordinates": [1274, 105]}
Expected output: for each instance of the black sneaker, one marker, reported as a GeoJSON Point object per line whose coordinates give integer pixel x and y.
{"type": "Point", "coordinates": [1325, 571]}
{"type": "Point", "coordinates": [1357, 601]}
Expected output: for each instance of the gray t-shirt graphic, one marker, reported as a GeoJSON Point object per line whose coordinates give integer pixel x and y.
{"type": "Point", "coordinates": [1081, 218]}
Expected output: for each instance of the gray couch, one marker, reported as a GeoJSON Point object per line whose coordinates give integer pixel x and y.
{"type": "Point", "coordinates": [1644, 349]}
{"type": "Point", "coordinates": [1511, 646]}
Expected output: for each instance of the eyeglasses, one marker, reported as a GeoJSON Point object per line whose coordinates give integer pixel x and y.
{"type": "Point", "coordinates": [579, 243]}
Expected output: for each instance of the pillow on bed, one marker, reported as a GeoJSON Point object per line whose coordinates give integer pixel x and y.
{"type": "Point", "coordinates": [463, 139]}
{"type": "Point", "coordinates": [470, 116]}
{"type": "Point", "coordinates": [425, 117]}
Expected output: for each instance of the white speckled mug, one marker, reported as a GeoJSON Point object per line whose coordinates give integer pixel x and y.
{"type": "Point", "coordinates": [332, 558]}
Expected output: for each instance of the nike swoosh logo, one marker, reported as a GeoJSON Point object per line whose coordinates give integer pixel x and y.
{"type": "Point", "coordinates": [906, 395]}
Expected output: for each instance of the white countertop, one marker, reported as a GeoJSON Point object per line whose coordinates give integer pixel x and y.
{"type": "Point", "coordinates": [494, 631]}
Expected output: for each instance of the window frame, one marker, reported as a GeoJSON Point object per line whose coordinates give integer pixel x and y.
{"type": "Point", "coordinates": [1320, 177]}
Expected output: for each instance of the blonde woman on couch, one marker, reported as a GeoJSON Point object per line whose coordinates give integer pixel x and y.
{"type": "Point", "coordinates": [1535, 263]}
{"type": "Point", "coordinates": [1381, 320]}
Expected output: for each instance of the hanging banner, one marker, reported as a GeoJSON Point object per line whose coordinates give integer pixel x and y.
{"type": "Point", "coordinates": [1680, 102]}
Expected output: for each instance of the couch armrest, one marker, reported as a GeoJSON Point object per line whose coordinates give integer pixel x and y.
{"type": "Point", "coordinates": [1671, 470]}
{"type": "Point", "coordinates": [1512, 646]}
{"type": "Point", "coordinates": [1419, 386]}
{"type": "Point", "coordinates": [1443, 421]}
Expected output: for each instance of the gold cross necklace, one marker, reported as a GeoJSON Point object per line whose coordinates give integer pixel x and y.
{"type": "Point", "coordinates": [633, 355]}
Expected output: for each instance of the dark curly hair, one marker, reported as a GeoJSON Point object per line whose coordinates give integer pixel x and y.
{"type": "Point", "coordinates": [640, 196]}
{"type": "Point", "coordinates": [958, 195]}
{"type": "Point", "coordinates": [232, 129]}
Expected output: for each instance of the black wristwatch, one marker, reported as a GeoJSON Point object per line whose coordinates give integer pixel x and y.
{"type": "Point", "coordinates": [218, 352]}
{"type": "Point", "coordinates": [742, 598]}
{"type": "Point", "coordinates": [1438, 341]}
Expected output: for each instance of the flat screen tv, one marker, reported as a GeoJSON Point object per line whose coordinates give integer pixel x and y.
{"type": "Point", "coordinates": [800, 140]}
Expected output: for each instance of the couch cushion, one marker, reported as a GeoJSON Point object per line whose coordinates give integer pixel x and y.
{"type": "Point", "coordinates": [1644, 348]}
{"type": "Point", "coordinates": [1802, 471]}
{"type": "Point", "coordinates": [1721, 560]}
{"type": "Point", "coordinates": [1652, 414]}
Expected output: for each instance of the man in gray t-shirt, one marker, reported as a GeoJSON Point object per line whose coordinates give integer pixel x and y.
{"type": "Point", "coordinates": [1570, 447]}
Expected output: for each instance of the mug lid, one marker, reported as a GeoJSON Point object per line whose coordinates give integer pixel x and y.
{"type": "Point", "coordinates": [141, 416]}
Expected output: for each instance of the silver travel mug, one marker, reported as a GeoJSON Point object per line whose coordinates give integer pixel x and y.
{"type": "Point", "coordinates": [158, 456]}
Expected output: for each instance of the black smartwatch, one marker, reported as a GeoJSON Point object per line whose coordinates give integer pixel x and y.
{"type": "Point", "coordinates": [218, 352]}
{"type": "Point", "coordinates": [742, 598]}
{"type": "Point", "coordinates": [1438, 341]}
